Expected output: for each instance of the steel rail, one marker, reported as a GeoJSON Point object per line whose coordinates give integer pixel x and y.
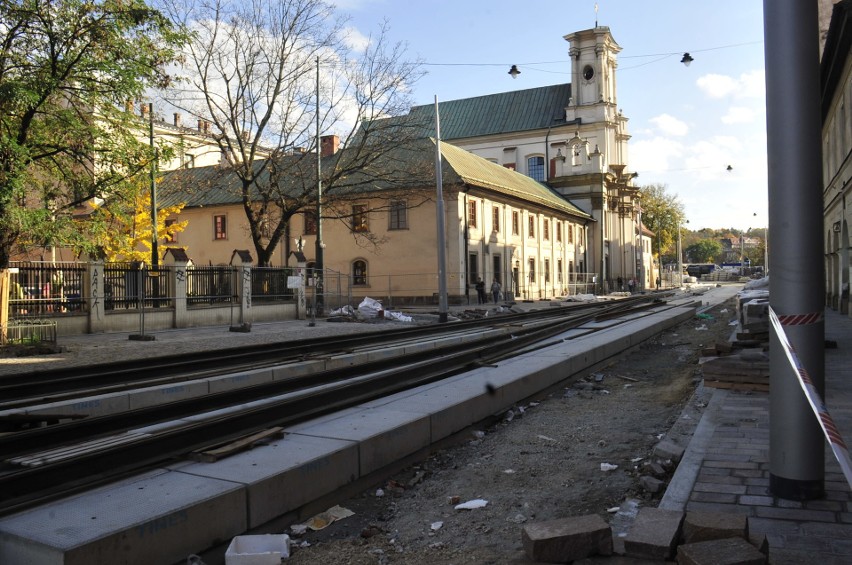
{"type": "Point", "coordinates": [20, 389]}
{"type": "Point", "coordinates": [19, 489]}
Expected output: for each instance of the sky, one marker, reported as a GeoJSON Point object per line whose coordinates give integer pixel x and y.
{"type": "Point", "coordinates": [688, 124]}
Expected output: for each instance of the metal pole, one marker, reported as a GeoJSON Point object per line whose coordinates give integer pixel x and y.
{"type": "Point", "coordinates": [679, 258]}
{"type": "Point", "coordinates": [796, 445]}
{"type": "Point", "coordinates": [155, 255]}
{"type": "Point", "coordinates": [320, 246]}
{"type": "Point", "coordinates": [439, 212]}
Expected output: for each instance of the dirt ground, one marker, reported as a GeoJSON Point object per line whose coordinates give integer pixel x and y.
{"type": "Point", "coordinates": [540, 461]}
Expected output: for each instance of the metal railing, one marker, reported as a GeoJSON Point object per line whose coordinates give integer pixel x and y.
{"type": "Point", "coordinates": [211, 285]}
{"type": "Point", "coordinates": [46, 288]}
{"type": "Point", "coordinates": [269, 284]}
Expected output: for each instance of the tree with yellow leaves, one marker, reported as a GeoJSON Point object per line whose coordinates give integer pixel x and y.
{"type": "Point", "coordinates": [125, 234]}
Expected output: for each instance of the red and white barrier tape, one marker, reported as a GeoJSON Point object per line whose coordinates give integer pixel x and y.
{"type": "Point", "coordinates": [829, 429]}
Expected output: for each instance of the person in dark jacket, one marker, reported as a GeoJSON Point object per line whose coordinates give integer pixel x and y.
{"type": "Point", "coordinates": [480, 290]}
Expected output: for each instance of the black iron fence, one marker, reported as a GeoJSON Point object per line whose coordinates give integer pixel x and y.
{"type": "Point", "coordinates": [134, 285]}
{"type": "Point", "coordinates": [46, 288]}
{"type": "Point", "coordinates": [211, 285]}
{"type": "Point", "coordinates": [269, 284]}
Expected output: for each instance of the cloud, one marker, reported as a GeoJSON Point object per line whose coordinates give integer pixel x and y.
{"type": "Point", "coordinates": [738, 115]}
{"type": "Point", "coordinates": [354, 39]}
{"type": "Point", "coordinates": [670, 125]}
{"type": "Point", "coordinates": [717, 86]}
{"type": "Point", "coordinates": [749, 85]}
{"type": "Point", "coordinates": [655, 154]}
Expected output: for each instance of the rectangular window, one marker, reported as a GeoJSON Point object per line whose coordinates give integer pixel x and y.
{"type": "Point", "coordinates": [516, 223]}
{"type": "Point", "coordinates": [546, 231]}
{"type": "Point", "coordinates": [535, 168]}
{"type": "Point", "coordinates": [471, 214]}
{"type": "Point", "coordinates": [473, 267]}
{"type": "Point", "coordinates": [559, 232]}
{"type": "Point", "coordinates": [398, 215]}
{"type": "Point", "coordinates": [310, 222]}
{"type": "Point", "coordinates": [547, 270]}
{"type": "Point", "coordinates": [559, 270]}
{"type": "Point", "coordinates": [359, 218]}
{"type": "Point", "coordinates": [570, 233]}
{"type": "Point", "coordinates": [220, 227]}
{"type": "Point", "coordinates": [531, 268]}
{"type": "Point", "coordinates": [495, 218]}
{"type": "Point", "coordinates": [531, 226]}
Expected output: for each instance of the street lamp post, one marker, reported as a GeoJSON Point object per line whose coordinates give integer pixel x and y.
{"type": "Point", "coordinates": [320, 246]}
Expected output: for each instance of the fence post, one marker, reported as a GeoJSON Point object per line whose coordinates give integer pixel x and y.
{"type": "Point", "coordinates": [178, 262]}
{"type": "Point", "coordinates": [244, 298]}
{"type": "Point", "coordinates": [96, 285]}
{"type": "Point", "coordinates": [4, 304]}
{"type": "Point", "coordinates": [301, 305]}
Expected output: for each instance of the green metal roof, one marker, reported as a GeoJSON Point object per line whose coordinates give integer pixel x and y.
{"type": "Point", "coordinates": [476, 171]}
{"type": "Point", "coordinates": [410, 167]}
{"type": "Point", "coordinates": [520, 110]}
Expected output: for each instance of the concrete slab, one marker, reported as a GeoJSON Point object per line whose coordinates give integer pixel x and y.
{"type": "Point", "coordinates": [285, 474]}
{"type": "Point", "coordinates": [159, 517]}
{"type": "Point", "coordinates": [731, 551]}
{"type": "Point", "coordinates": [383, 435]}
{"type": "Point", "coordinates": [567, 539]}
{"type": "Point", "coordinates": [654, 534]}
{"type": "Point", "coordinates": [156, 395]}
{"type": "Point", "coordinates": [240, 380]}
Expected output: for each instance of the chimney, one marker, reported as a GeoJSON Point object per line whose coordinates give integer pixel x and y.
{"type": "Point", "coordinates": [177, 119]}
{"type": "Point", "coordinates": [200, 126]}
{"type": "Point", "coordinates": [329, 145]}
{"type": "Point", "coordinates": [129, 107]}
{"type": "Point", "coordinates": [144, 111]}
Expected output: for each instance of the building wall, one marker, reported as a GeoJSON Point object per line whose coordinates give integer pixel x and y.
{"type": "Point", "coordinates": [403, 262]}
{"type": "Point", "coordinates": [837, 189]}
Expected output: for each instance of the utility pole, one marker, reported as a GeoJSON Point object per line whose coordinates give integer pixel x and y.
{"type": "Point", "coordinates": [155, 254]}
{"type": "Point", "coordinates": [319, 266]}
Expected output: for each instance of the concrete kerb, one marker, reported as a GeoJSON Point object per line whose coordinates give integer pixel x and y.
{"type": "Point", "coordinates": [680, 487]}
{"type": "Point", "coordinates": [358, 443]}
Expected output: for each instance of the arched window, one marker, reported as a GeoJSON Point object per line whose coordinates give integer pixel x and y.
{"type": "Point", "coordinates": [359, 273]}
{"type": "Point", "coordinates": [535, 168]}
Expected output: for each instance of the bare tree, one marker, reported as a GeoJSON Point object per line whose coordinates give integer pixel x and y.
{"type": "Point", "coordinates": [256, 70]}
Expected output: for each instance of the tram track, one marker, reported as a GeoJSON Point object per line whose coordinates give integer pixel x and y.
{"type": "Point", "coordinates": [26, 388]}
{"type": "Point", "coordinates": [52, 469]}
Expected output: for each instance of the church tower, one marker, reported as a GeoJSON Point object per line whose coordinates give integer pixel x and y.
{"type": "Point", "coordinates": [593, 62]}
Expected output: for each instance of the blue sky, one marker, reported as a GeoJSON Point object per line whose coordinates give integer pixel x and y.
{"type": "Point", "coordinates": [687, 123]}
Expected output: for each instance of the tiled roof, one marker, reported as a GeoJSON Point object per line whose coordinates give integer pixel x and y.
{"type": "Point", "coordinates": [212, 186]}
{"type": "Point", "coordinates": [520, 110]}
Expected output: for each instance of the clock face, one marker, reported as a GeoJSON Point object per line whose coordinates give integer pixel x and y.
{"type": "Point", "coordinates": [588, 72]}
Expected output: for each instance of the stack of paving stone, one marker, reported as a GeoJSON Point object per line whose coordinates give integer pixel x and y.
{"type": "Point", "coordinates": [743, 363]}
{"type": "Point", "coordinates": [693, 538]}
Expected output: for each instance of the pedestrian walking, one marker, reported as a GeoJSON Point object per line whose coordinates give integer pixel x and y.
{"type": "Point", "coordinates": [631, 285]}
{"type": "Point", "coordinates": [480, 290]}
{"type": "Point", "coordinates": [658, 283]}
{"type": "Point", "coordinates": [495, 290]}
{"type": "Point", "coordinates": [620, 284]}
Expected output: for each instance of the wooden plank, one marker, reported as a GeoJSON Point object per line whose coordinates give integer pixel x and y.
{"type": "Point", "coordinates": [738, 386]}
{"type": "Point", "coordinates": [212, 454]}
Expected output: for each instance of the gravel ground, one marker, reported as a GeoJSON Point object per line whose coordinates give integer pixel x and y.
{"type": "Point", "coordinates": [540, 461]}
